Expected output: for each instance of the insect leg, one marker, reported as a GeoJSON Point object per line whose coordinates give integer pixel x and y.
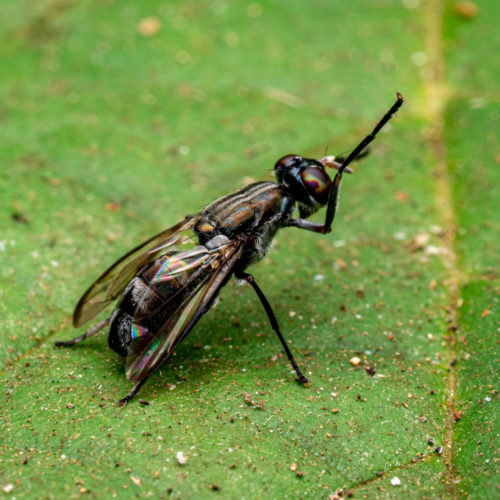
{"type": "Point", "coordinates": [332, 199]}
{"type": "Point", "coordinates": [132, 393]}
{"type": "Point", "coordinates": [88, 333]}
{"type": "Point", "coordinates": [359, 150]}
{"type": "Point", "coordinates": [274, 322]}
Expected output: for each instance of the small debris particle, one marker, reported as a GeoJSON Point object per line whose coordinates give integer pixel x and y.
{"type": "Point", "coordinates": [335, 410]}
{"type": "Point", "coordinates": [435, 250]}
{"type": "Point", "coordinates": [70, 406]}
{"type": "Point", "coordinates": [439, 450]}
{"type": "Point", "coordinates": [339, 264]}
{"type": "Point", "coordinates": [430, 441]}
{"type": "Point", "coordinates": [432, 285]}
{"type": "Point", "coordinates": [250, 402]}
{"type": "Point", "coordinates": [423, 419]}
{"type": "Point", "coordinates": [349, 493]}
{"type": "Point", "coordinates": [355, 361]}
{"type": "Point", "coordinates": [8, 488]}
{"type": "Point", "coordinates": [113, 206]}
{"type": "Point", "coordinates": [293, 466]}
{"type": "Point", "coordinates": [135, 480]}
{"type": "Point", "coordinates": [401, 196]}
{"type": "Point", "coordinates": [149, 26]}
{"type": "Point", "coordinates": [390, 336]}
{"type": "Point", "coordinates": [215, 487]}
{"type": "Point", "coordinates": [197, 345]}
{"type": "Point", "coordinates": [457, 415]}
{"type": "Point", "coordinates": [299, 474]}
{"type": "Point", "coordinates": [395, 481]}
{"type": "Point", "coordinates": [370, 370]}
{"type": "Point", "coordinates": [181, 458]}
{"type": "Point", "coordinates": [453, 362]}
{"type": "Point", "coordinates": [19, 217]}
{"type": "Point", "coordinates": [360, 293]}
{"type": "Point", "coordinates": [466, 10]}
{"type": "Point", "coordinates": [485, 313]}
{"type": "Point", "coordinates": [419, 242]}
{"type": "Point", "coordinates": [144, 402]}
{"type": "Point", "coordinates": [232, 466]}
{"type": "Point", "coordinates": [380, 473]}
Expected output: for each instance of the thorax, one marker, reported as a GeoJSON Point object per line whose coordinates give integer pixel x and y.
{"type": "Point", "coordinates": [257, 211]}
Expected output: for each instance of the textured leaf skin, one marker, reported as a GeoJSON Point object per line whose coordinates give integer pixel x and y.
{"type": "Point", "coordinates": [112, 132]}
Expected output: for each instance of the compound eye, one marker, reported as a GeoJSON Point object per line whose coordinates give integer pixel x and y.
{"type": "Point", "coordinates": [287, 160]}
{"type": "Point", "coordinates": [317, 183]}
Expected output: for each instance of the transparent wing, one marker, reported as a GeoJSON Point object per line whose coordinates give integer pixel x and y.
{"type": "Point", "coordinates": [148, 350]}
{"type": "Point", "coordinates": [109, 286]}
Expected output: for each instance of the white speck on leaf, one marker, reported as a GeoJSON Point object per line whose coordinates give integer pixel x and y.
{"type": "Point", "coordinates": [135, 480]}
{"type": "Point", "coordinates": [355, 361]}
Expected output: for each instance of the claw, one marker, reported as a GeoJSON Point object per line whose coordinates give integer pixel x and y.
{"type": "Point", "coordinates": [303, 381]}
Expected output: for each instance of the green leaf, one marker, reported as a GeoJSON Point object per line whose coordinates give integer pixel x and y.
{"type": "Point", "coordinates": [119, 118]}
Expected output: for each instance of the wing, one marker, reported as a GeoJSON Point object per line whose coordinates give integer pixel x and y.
{"type": "Point", "coordinates": [149, 350]}
{"type": "Point", "coordinates": [109, 286]}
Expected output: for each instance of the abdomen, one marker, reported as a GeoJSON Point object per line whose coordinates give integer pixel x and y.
{"type": "Point", "coordinates": [148, 305]}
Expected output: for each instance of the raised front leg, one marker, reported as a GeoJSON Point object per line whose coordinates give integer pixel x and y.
{"type": "Point", "coordinates": [331, 207]}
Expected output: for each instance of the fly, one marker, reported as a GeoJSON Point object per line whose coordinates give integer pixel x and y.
{"type": "Point", "coordinates": [166, 284]}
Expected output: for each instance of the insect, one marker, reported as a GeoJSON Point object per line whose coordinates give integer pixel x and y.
{"type": "Point", "coordinates": [166, 284]}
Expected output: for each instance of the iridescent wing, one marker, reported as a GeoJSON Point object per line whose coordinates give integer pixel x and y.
{"type": "Point", "coordinates": [109, 286]}
{"type": "Point", "coordinates": [149, 350]}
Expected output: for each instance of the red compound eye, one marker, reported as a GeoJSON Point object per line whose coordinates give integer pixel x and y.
{"type": "Point", "coordinates": [317, 183]}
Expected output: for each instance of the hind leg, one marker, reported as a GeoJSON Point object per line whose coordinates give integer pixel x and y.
{"type": "Point", "coordinates": [88, 333]}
